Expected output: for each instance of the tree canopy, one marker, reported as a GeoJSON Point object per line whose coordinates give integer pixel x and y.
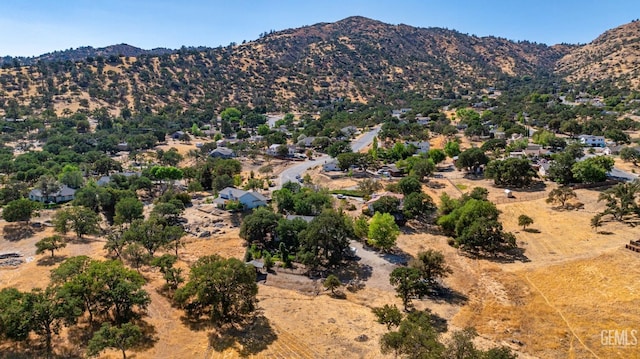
{"type": "Point", "coordinates": [224, 290]}
{"type": "Point", "coordinates": [512, 172]}
{"type": "Point", "coordinates": [383, 231]}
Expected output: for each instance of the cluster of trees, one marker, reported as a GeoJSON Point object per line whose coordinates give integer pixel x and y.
{"type": "Point", "coordinates": [566, 169]}
{"type": "Point", "coordinates": [381, 230]}
{"type": "Point", "coordinates": [473, 222]}
{"type": "Point", "coordinates": [420, 277]}
{"type": "Point", "coordinates": [296, 199]}
{"type": "Point", "coordinates": [83, 293]}
{"type": "Point", "coordinates": [321, 242]}
{"type": "Point", "coordinates": [417, 336]}
{"type": "Point", "coordinates": [222, 290]}
{"type": "Point", "coordinates": [622, 203]}
{"type": "Point", "coordinates": [511, 172]}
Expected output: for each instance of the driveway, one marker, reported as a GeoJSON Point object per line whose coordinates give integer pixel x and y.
{"type": "Point", "coordinates": [375, 267]}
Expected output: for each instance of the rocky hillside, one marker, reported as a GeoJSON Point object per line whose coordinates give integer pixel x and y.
{"type": "Point", "coordinates": [356, 58]}
{"type": "Point", "coordinates": [614, 55]}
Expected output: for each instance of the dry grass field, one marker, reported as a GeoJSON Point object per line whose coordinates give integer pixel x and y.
{"type": "Point", "coordinates": [573, 284]}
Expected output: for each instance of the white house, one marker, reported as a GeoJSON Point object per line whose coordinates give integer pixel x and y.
{"type": "Point", "coordinates": [248, 199]}
{"type": "Point", "coordinates": [64, 194]}
{"type": "Point", "coordinates": [592, 141]}
{"type": "Point", "coordinates": [274, 149]}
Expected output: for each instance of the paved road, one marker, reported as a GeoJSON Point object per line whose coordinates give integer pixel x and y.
{"type": "Point", "coordinates": [616, 172]}
{"type": "Point", "coordinates": [298, 169]}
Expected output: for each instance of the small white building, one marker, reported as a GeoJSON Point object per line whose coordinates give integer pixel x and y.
{"type": "Point", "coordinates": [592, 141]}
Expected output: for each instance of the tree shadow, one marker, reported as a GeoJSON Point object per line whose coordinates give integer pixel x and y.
{"type": "Point", "coordinates": [437, 322]}
{"type": "Point", "coordinates": [531, 230]}
{"type": "Point", "coordinates": [236, 218]}
{"type": "Point", "coordinates": [247, 339]}
{"type": "Point", "coordinates": [79, 335]}
{"type": "Point", "coordinates": [440, 293]}
{"type": "Point", "coordinates": [48, 261]}
{"type": "Point", "coordinates": [149, 336]}
{"type": "Point", "coordinates": [506, 255]}
{"type": "Point", "coordinates": [84, 240]}
{"type": "Point", "coordinates": [435, 185]}
{"type": "Point", "coordinates": [338, 294]}
{"type": "Point", "coordinates": [473, 177]}
{"type": "Point", "coordinates": [28, 350]}
{"type": "Point", "coordinates": [606, 233]}
{"type": "Point", "coordinates": [16, 232]}
{"type": "Point", "coordinates": [196, 323]}
{"type": "Point", "coordinates": [396, 256]}
{"type": "Point", "coordinates": [354, 271]}
{"type": "Point", "coordinates": [69, 351]}
{"type": "Point", "coordinates": [537, 186]}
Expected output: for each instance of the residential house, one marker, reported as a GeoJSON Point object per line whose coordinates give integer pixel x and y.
{"type": "Point", "coordinates": [226, 142]}
{"type": "Point", "coordinates": [422, 146]}
{"type": "Point", "coordinates": [592, 141]}
{"type": "Point", "coordinates": [534, 150]}
{"type": "Point", "coordinates": [122, 146]}
{"type": "Point", "coordinates": [542, 167]}
{"type": "Point", "coordinates": [209, 133]}
{"type": "Point", "coordinates": [306, 142]}
{"type": "Point", "coordinates": [248, 199]}
{"type": "Point", "coordinates": [423, 120]}
{"type": "Point", "coordinates": [331, 166]}
{"type": "Point", "coordinates": [308, 219]}
{"type": "Point", "coordinates": [498, 134]}
{"type": "Point", "coordinates": [105, 180]}
{"type": "Point", "coordinates": [376, 197]}
{"type": "Point", "coordinates": [274, 149]}
{"type": "Point", "coordinates": [64, 194]}
{"type": "Point", "coordinates": [349, 130]}
{"type": "Point", "coordinates": [177, 135]}
{"type": "Point", "coordinates": [222, 152]}
{"type": "Point", "coordinates": [400, 112]}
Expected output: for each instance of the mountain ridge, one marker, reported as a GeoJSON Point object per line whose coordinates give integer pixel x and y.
{"type": "Point", "coordinates": [83, 52]}
{"type": "Point", "coordinates": [355, 58]}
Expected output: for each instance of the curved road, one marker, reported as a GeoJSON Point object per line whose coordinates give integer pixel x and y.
{"type": "Point", "coordinates": [289, 174]}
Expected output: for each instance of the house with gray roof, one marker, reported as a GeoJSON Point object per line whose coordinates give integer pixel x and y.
{"type": "Point", "coordinates": [222, 152]}
{"type": "Point", "coordinates": [64, 194]}
{"type": "Point", "coordinates": [248, 199]}
{"type": "Point", "coordinates": [105, 180]}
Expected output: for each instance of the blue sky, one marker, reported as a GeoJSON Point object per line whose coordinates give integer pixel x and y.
{"type": "Point", "coordinates": [33, 27]}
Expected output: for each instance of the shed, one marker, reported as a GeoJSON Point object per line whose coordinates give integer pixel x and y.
{"type": "Point", "coordinates": [259, 266]}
